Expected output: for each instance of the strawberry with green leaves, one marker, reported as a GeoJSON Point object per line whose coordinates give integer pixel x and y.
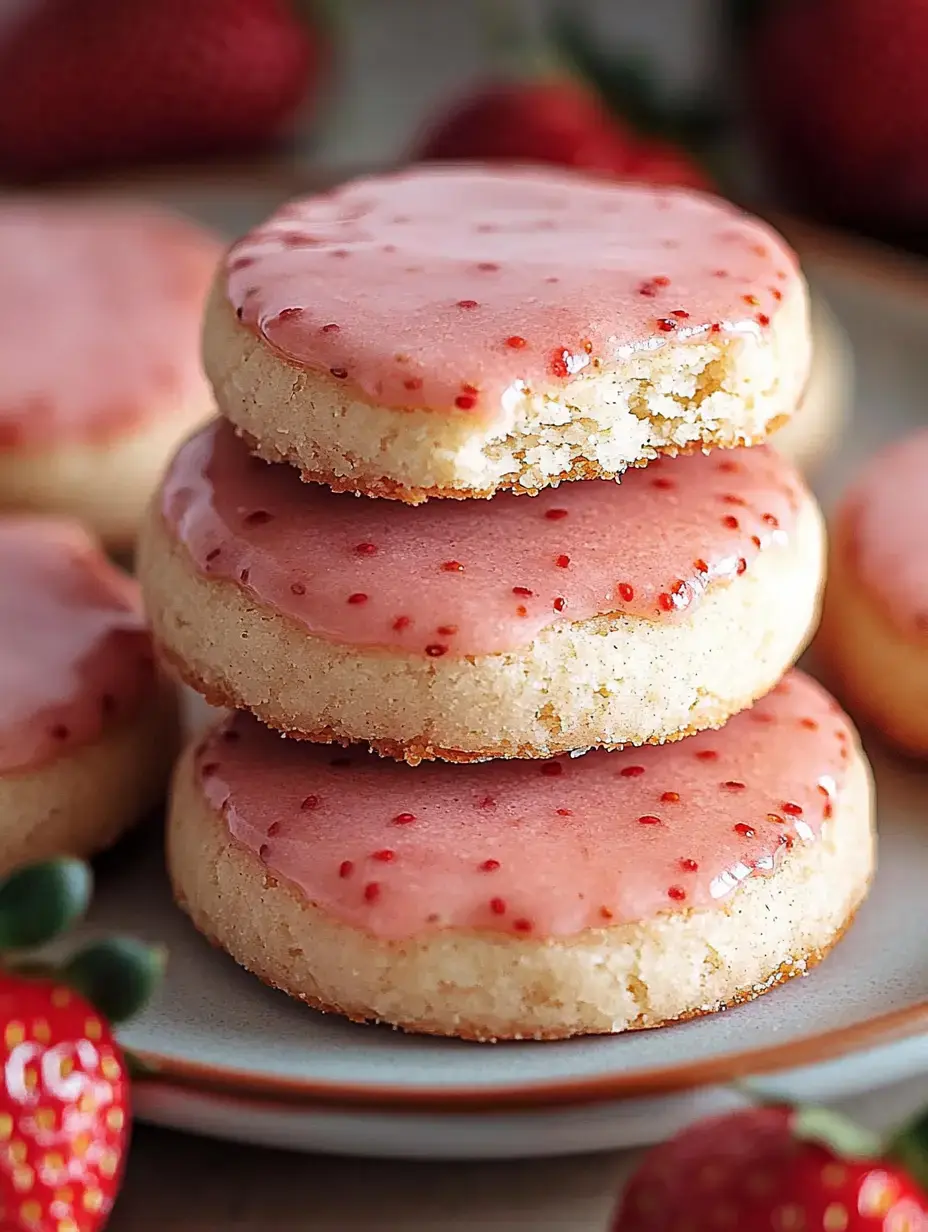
{"type": "Point", "coordinates": [64, 1094]}
{"type": "Point", "coordinates": [777, 1169]}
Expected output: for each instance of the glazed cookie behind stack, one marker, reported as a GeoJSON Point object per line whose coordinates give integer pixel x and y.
{"type": "Point", "coordinates": [99, 366]}
{"type": "Point", "coordinates": [874, 635]}
{"type": "Point", "coordinates": [88, 729]}
{"type": "Point", "coordinates": [455, 332]}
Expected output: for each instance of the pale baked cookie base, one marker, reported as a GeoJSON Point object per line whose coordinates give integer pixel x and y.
{"type": "Point", "coordinates": [81, 802]}
{"type": "Point", "coordinates": [880, 672]}
{"type": "Point", "coordinates": [488, 986]}
{"type": "Point", "coordinates": [677, 397]}
{"type": "Point", "coordinates": [105, 484]}
{"type": "Point", "coordinates": [607, 681]}
{"type": "Point", "coordinates": [810, 435]}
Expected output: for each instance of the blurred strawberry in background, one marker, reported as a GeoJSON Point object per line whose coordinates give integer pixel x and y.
{"type": "Point", "coordinates": [564, 102]}
{"type": "Point", "coordinates": [836, 92]}
{"type": "Point", "coordinates": [92, 84]}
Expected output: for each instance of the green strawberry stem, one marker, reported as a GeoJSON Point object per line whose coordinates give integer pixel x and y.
{"type": "Point", "coordinates": [41, 901]}
{"type": "Point", "coordinates": [117, 975]}
{"type": "Point", "coordinates": [906, 1146]}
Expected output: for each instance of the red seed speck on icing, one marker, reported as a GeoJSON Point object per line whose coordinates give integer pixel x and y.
{"type": "Point", "coordinates": [213, 555]}
{"type": "Point", "coordinates": [435, 650]}
{"type": "Point", "coordinates": [357, 598]}
{"type": "Point", "coordinates": [386, 855]}
{"type": "Point", "coordinates": [345, 869]}
{"type": "Point", "coordinates": [648, 819]}
{"type": "Point", "coordinates": [559, 604]}
{"type": "Point", "coordinates": [297, 588]}
{"type": "Point", "coordinates": [560, 363]}
{"type": "Point", "coordinates": [631, 772]}
{"type": "Point", "coordinates": [707, 755]}
{"type": "Point", "coordinates": [809, 725]}
{"type": "Point", "coordinates": [487, 267]}
{"type": "Point", "coordinates": [564, 812]}
{"type": "Point", "coordinates": [447, 630]}
{"type": "Point", "coordinates": [372, 892]}
{"type": "Point", "coordinates": [626, 592]}
{"type": "Point", "coordinates": [689, 866]}
{"type": "Point", "coordinates": [555, 515]}
{"type": "Point", "coordinates": [562, 561]}
{"type": "Point", "coordinates": [752, 300]}
{"type": "Point", "coordinates": [681, 314]}
{"type": "Point", "coordinates": [665, 602]}
{"type": "Point", "coordinates": [552, 769]}
{"type": "Point", "coordinates": [487, 803]}
{"type": "Point", "coordinates": [745, 830]}
{"type": "Point", "coordinates": [401, 623]}
{"type": "Point", "coordinates": [331, 328]}
{"type": "Point", "coordinates": [366, 549]}
{"type": "Point", "coordinates": [404, 819]}
{"type": "Point", "coordinates": [309, 803]}
{"type": "Point", "coordinates": [498, 906]}
{"type": "Point", "coordinates": [793, 809]}
{"type": "Point", "coordinates": [452, 566]}
{"type": "Point", "coordinates": [670, 797]}
{"type": "Point", "coordinates": [516, 342]}
{"type": "Point", "coordinates": [770, 519]}
{"type": "Point", "coordinates": [522, 590]}
{"type": "Point", "coordinates": [467, 303]}
{"type": "Point", "coordinates": [339, 373]}
{"type": "Point", "coordinates": [663, 483]}
{"type": "Point", "coordinates": [258, 517]}
{"type": "Point", "coordinates": [732, 785]}
{"type": "Point", "coordinates": [762, 319]}
{"type": "Point", "coordinates": [666, 324]}
{"type": "Point", "coordinates": [521, 610]}
{"type": "Point", "coordinates": [677, 893]}
{"type": "Point", "coordinates": [730, 522]}
{"type": "Point", "coordinates": [522, 925]}
{"type": "Point", "coordinates": [489, 866]}
{"type": "Point", "coordinates": [465, 402]}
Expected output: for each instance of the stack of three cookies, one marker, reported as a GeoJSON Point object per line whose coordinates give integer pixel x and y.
{"type": "Point", "coordinates": [431, 340]}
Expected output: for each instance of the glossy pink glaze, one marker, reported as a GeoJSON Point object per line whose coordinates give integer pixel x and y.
{"type": "Point", "coordinates": [545, 849]}
{"type": "Point", "coordinates": [454, 288]}
{"type": "Point", "coordinates": [883, 516]}
{"type": "Point", "coordinates": [75, 655]}
{"type": "Point", "coordinates": [99, 319]}
{"type": "Point", "coordinates": [475, 577]}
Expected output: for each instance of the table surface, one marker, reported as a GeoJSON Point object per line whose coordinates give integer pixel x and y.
{"type": "Point", "coordinates": [188, 1184]}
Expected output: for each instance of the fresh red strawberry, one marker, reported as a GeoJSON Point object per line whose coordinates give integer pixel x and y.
{"type": "Point", "coordinates": [64, 1090]}
{"type": "Point", "coordinates": [837, 89]}
{"type": "Point", "coordinates": [771, 1168]}
{"type": "Point", "coordinates": [554, 121]}
{"type": "Point", "coordinates": [64, 1110]}
{"type": "Point", "coordinates": [91, 83]}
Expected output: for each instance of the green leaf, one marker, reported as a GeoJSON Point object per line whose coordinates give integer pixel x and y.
{"type": "Point", "coordinates": [627, 86]}
{"type": "Point", "coordinates": [117, 975]}
{"type": "Point", "coordinates": [837, 1133]}
{"type": "Point", "coordinates": [909, 1147]}
{"type": "Point", "coordinates": [42, 900]}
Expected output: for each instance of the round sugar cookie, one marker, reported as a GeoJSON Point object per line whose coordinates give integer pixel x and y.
{"type": "Point", "coordinates": [808, 437]}
{"type": "Point", "coordinates": [874, 636]}
{"type": "Point", "coordinates": [88, 730]}
{"type": "Point", "coordinates": [594, 614]}
{"type": "Point", "coordinates": [530, 900]}
{"type": "Point", "coordinates": [454, 331]}
{"type": "Point", "coordinates": [99, 355]}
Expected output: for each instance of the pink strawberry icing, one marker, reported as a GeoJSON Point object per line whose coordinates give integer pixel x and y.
{"type": "Point", "coordinates": [75, 655]}
{"type": "Point", "coordinates": [476, 577]}
{"type": "Point", "coordinates": [99, 319]}
{"type": "Point", "coordinates": [454, 288]}
{"type": "Point", "coordinates": [883, 517]}
{"type": "Point", "coordinates": [542, 849]}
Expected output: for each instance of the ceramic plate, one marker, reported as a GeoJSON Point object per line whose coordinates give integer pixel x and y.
{"type": "Point", "coordinates": [239, 1060]}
